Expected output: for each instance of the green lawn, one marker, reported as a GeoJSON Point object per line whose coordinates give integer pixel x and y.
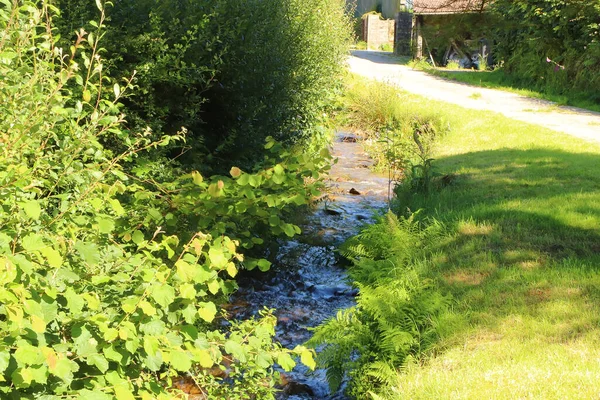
{"type": "Point", "coordinates": [521, 260]}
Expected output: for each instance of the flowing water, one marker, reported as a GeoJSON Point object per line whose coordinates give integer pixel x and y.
{"type": "Point", "coordinates": [306, 285]}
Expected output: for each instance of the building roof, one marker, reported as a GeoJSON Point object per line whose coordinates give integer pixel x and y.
{"type": "Point", "coordinates": [448, 6]}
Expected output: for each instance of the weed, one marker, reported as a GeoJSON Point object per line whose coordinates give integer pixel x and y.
{"type": "Point", "coordinates": [452, 65]}
{"type": "Point", "coordinates": [389, 47]}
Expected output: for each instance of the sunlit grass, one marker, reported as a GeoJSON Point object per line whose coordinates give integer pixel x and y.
{"type": "Point", "coordinates": [521, 260]}
{"type": "Point", "coordinates": [498, 79]}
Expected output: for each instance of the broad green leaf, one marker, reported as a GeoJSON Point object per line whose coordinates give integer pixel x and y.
{"type": "Point", "coordinates": [112, 354]}
{"type": "Point", "coordinates": [98, 361]}
{"type": "Point", "coordinates": [32, 209]}
{"type": "Point", "coordinates": [8, 271]}
{"type": "Point", "coordinates": [111, 334]}
{"type": "Point", "coordinates": [122, 392]}
{"type": "Point", "coordinates": [181, 360]}
{"type": "Point", "coordinates": [4, 360]}
{"type": "Point", "coordinates": [5, 241]}
{"type": "Point", "coordinates": [155, 327]}
{"type": "Point", "coordinates": [163, 294]}
{"type": "Point", "coordinates": [306, 357]}
{"type": "Point", "coordinates": [289, 230]}
{"type": "Point", "coordinates": [243, 180]}
{"type": "Point", "coordinates": [185, 271]}
{"type": "Point", "coordinates": [147, 308]}
{"type": "Point", "coordinates": [75, 301]}
{"type": "Point", "coordinates": [274, 220]}
{"type": "Point", "coordinates": [264, 360]}
{"type": "Point", "coordinates": [85, 343]}
{"type": "Point", "coordinates": [38, 324]}
{"type": "Point", "coordinates": [217, 259]}
{"type": "Point", "coordinates": [214, 286]}
{"type": "Point", "coordinates": [154, 359]}
{"type": "Point", "coordinates": [205, 359]}
{"type": "Point", "coordinates": [264, 265]}
{"type": "Point", "coordinates": [129, 305]}
{"type": "Point", "coordinates": [105, 224]}
{"type": "Point", "coordinates": [187, 291]}
{"type": "Point", "coordinates": [88, 252]}
{"type": "Point", "coordinates": [207, 311]}
{"type": "Point", "coordinates": [53, 257]}
{"type": "Point", "coordinates": [26, 354]}
{"type": "Point", "coordinates": [137, 237]}
{"type": "Point", "coordinates": [255, 180]}
{"type": "Point", "coordinates": [232, 270]}
{"type": "Point", "coordinates": [33, 242]}
{"type": "Point", "coordinates": [286, 362]}
{"type": "Point", "coordinates": [92, 301]}
{"type": "Point", "coordinates": [96, 394]}
{"type": "Point", "coordinates": [278, 179]}
{"type": "Point", "coordinates": [236, 350]}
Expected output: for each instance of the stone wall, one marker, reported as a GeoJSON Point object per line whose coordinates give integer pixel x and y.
{"type": "Point", "coordinates": [377, 32]}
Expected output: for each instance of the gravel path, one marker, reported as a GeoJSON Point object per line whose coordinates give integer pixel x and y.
{"type": "Point", "coordinates": [571, 120]}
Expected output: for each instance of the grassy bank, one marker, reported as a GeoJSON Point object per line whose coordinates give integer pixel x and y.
{"type": "Point", "coordinates": [498, 79]}
{"type": "Point", "coordinates": [521, 261]}
{"type": "Point", "coordinates": [518, 255]}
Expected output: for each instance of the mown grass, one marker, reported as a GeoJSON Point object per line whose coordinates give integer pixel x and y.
{"type": "Point", "coordinates": [498, 79]}
{"type": "Point", "coordinates": [521, 259]}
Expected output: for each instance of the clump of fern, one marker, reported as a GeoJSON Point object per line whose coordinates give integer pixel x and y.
{"type": "Point", "coordinates": [395, 317]}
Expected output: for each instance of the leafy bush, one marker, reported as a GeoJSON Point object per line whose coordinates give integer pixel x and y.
{"type": "Point", "coordinates": [562, 31]}
{"type": "Point", "coordinates": [395, 316]}
{"type": "Point", "coordinates": [110, 280]}
{"type": "Point", "coordinates": [232, 73]}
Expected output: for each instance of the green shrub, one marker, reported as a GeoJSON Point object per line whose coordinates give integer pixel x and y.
{"type": "Point", "coordinates": [565, 32]}
{"type": "Point", "coordinates": [110, 280]}
{"type": "Point", "coordinates": [232, 73]}
{"type": "Point", "coordinates": [395, 316]}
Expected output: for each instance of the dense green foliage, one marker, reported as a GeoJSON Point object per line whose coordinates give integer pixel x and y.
{"type": "Point", "coordinates": [112, 267]}
{"type": "Point", "coordinates": [233, 73]}
{"type": "Point", "coordinates": [395, 316]}
{"type": "Point", "coordinates": [546, 46]}
{"type": "Point", "coordinates": [551, 44]}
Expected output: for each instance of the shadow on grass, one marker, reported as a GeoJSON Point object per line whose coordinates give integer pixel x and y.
{"type": "Point", "coordinates": [523, 240]}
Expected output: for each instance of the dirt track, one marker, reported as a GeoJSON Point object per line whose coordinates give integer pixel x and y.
{"type": "Point", "coordinates": [573, 121]}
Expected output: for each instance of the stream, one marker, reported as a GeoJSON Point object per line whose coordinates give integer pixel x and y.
{"type": "Point", "coordinates": [306, 285]}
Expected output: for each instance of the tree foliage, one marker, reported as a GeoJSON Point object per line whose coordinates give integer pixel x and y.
{"type": "Point", "coordinates": [233, 73]}
{"type": "Point", "coordinates": [553, 44]}
{"type": "Point", "coordinates": [112, 268]}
